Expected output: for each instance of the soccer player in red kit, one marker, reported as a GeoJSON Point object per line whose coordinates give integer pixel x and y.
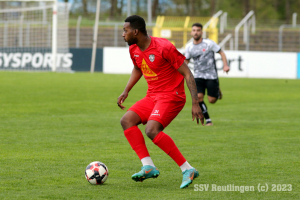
{"type": "Point", "coordinates": [164, 70]}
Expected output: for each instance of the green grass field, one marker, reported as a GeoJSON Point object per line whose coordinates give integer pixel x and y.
{"type": "Point", "coordinates": [52, 125]}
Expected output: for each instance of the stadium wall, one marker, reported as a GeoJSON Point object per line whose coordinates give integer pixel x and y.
{"type": "Point", "coordinates": [259, 64]}
{"type": "Point", "coordinates": [81, 59]}
{"type": "Point", "coordinates": [116, 60]}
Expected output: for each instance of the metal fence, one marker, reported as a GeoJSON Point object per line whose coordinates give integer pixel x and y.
{"type": "Point", "coordinates": [267, 35]}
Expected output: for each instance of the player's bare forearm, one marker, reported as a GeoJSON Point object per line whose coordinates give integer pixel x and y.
{"type": "Point", "coordinates": [136, 74]}
{"type": "Point", "coordinates": [224, 59]}
{"type": "Point", "coordinates": [134, 78]}
{"type": "Point", "coordinates": [190, 81]}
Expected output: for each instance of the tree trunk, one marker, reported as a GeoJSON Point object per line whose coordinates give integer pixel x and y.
{"type": "Point", "coordinates": [84, 7]}
{"type": "Point", "coordinates": [154, 8]}
{"type": "Point", "coordinates": [187, 5]}
{"type": "Point", "coordinates": [276, 5]}
{"type": "Point", "coordinates": [212, 7]}
{"type": "Point", "coordinates": [287, 11]}
{"type": "Point", "coordinates": [193, 7]}
{"type": "Point", "coordinates": [138, 6]}
{"type": "Point", "coordinates": [254, 5]}
{"type": "Point", "coordinates": [120, 9]}
{"type": "Point", "coordinates": [113, 8]}
{"type": "Point", "coordinates": [198, 8]}
{"type": "Point", "coordinates": [2, 6]}
{"type": "Point", "coordinates": [246, 7]}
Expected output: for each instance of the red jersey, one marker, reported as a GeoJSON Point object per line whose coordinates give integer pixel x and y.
{"type": "Point", "coordinates": [159, 64]}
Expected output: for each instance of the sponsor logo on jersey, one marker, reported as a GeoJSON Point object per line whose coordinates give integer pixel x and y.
{"type": "Point", "coordinates": [136, 56]}
{"type": "Point", "coordinates": [146, 69]}
{"type": "Point", "coordinates": [203, 50]}
{"type": "Point", "coordinates": [151, 57]}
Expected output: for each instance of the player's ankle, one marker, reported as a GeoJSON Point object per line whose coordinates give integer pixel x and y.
{"type": "Point", "coordinates": [185, 166]}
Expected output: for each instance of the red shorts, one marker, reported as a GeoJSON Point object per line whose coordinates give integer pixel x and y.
{"type": "Point", "coordinates": [163, 108]}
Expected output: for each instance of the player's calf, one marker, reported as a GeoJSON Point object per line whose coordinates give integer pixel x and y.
{"type": "Point", "coordinates": [220, 94]}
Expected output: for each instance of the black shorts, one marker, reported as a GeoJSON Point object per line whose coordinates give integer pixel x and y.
{"type": "Point", "coordinates": [212, 86]}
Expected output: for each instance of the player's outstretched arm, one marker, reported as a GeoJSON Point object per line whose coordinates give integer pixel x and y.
{"type": "Point", "coordinates": [190, 81]}
{"type": "Point", "coordinates": [136, 74]}
{"type": "Point", "coordinates": [224, 59]}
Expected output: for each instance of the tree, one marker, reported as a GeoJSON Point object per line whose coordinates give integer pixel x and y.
{"type": "Point", "coordinates": [119, 9]}
{"type": "Point", "coordinates": [113, 8]}
{"type": "Point", "coordinates": [154, 8]}
{"type": "Point", "coordinates": [287, 11]}
{"type": "Point", "coordinates": [2, 5]}
{"type": "Point", "coordinates": [212, 7]}
{"type": "Point", "coordinates": [138, 6]}
{"type": "Point", "coordinates": [84, 7]}
{"type": "Point", "coordinates": [246, 7]}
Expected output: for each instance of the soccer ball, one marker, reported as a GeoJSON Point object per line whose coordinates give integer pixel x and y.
{"type": "Point", "coordinates": [96, 173]}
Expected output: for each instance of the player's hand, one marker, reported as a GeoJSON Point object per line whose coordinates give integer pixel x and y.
{"type": "Point", "coordinates": [121, 99]}
{"type": "Point", "coordinates": [197, 113]}
{"type": "Point", "coordinates": [226, 68]}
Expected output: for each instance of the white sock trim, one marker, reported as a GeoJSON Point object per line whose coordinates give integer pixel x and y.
{"type": "Point", "coordinates": [147, 161]}
{"type": "Point", "coordinates": [185, 166]}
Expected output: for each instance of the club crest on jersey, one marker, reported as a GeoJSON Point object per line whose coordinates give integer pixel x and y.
{"type": "Point", "coordinates": [151, 57]}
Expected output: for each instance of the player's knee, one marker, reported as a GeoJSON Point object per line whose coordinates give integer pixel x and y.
{"type": "Point", "coordinates": [151, 132]}
{"type": "Point", "coordinates": [125, 122]}
{"type": "Point", "coordinates": [200, 98]}
{"type": "Point", "coordinates": [130, 119]}
{"type": "Point", "coordinates": [212, 100]}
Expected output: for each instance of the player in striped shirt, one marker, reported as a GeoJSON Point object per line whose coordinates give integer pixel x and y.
{"type": "Point", "coordinates": [202, 51]}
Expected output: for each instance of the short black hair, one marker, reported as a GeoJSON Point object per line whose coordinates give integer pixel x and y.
{"type": "Point", "coordinates": [137, 22]}
{"type": "Point", "coordinates": [198, 25]}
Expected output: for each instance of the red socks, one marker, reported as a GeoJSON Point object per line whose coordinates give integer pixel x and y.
{"type": "Point", "coordinates": [162, 140]}
{"type": "Point", "coordinates": [166, 143]}
{"type": "Point", "coordinates": [137, 141]}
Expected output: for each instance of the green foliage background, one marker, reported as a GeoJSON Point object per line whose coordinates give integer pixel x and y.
{"type": "Point", "coordinates": [236, 9]}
